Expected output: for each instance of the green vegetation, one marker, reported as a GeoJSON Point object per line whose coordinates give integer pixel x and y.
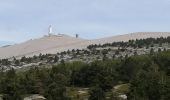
{"type": "Point", "coordinates": [140, 77]}
{"type": "Point", "coordinates": [122, 88]}
{"type": "Point", "coordinates": [147, 75]}
{"type": "Point", "coordinates": [138, 43]}
{"type": "Point", "coordinates": [77, 93]}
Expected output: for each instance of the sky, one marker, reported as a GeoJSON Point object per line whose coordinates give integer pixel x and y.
{"type": "Point", "coordinates": [21, 20]}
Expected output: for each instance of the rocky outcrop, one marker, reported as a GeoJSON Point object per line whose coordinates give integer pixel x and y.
{"type": "Point", "coordinates": [35, 97]}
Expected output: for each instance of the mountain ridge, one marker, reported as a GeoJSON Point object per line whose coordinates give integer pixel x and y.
{"type": "Point", "coordinates": [61, 42]}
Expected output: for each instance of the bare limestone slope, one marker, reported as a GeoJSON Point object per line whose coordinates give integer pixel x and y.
{"type": "Point", "coordinates": [131, 36]}
{"type": "Point", "coordinates": [57, 43]}
{"type": "Point", "coordinates": [43, 45]}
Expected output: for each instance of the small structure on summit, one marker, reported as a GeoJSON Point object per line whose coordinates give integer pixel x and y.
{"type": "Point", "coordinates": [53, 34]}
{"type": "Point", "coordinates": [77, 36]}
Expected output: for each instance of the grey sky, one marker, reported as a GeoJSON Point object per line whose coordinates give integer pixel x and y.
{"type": "Point", "coordinates": [21, 20]}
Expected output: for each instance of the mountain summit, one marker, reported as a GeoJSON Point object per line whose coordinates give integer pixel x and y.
{"type": "Point", "coordinates": [56, 43]}
{"type": "Point", "coordinates": [47, 44]}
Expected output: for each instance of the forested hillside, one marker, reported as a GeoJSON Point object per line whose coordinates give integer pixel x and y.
{"type": "Point", "coordinates": [111, 77]}
{"type": "Point", "coordinates": [148, 77]}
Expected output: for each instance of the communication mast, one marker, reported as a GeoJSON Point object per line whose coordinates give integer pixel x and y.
{"type": "Point", "coordinates": [50, 30]}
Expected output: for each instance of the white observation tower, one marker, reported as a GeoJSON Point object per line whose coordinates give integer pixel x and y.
{"type": "Point", "coordinates": [50, 30]}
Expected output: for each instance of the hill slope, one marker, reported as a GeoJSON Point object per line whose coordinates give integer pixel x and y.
{"type": "Point", "coordinates": [46, 44]}
{"type": "Point", "coordinates": [57, 43]}
{"type": "Point", "coordinates": [131, 36]}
